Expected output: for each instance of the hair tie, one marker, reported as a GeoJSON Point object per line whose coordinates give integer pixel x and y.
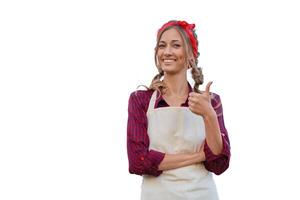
{"type": "Point", "coordinates": [188, 29]}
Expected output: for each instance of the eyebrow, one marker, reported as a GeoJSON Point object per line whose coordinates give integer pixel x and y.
{"type": "Point", "coordinates": [171, 41]}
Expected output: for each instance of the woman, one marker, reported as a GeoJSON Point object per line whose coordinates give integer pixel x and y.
{"type": "Point", "coordinates": [176, 134]}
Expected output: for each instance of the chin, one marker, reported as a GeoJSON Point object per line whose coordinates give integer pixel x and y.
{"type": "Point", "coordinates": [171, 69]}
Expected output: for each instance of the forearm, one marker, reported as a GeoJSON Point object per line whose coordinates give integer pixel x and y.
{"type": "Point", "coordinates": [213, 134]}
{"type": "Point", "coordinates": [173, 161]}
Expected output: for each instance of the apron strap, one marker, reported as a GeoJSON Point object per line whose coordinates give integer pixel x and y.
{"type": "Point", "coordinates": [152, 101]}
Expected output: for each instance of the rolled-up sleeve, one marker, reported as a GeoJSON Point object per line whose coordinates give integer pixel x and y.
{"type": "Point", "coordinates": [218, 163]}
{"type": "Point", "coordinates": [142, 160]}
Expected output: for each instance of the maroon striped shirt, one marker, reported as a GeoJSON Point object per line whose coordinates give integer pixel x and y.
{"type": "Point", "coordinates": [145, 161]}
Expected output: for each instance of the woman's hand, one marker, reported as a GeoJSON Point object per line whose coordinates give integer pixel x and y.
{"type": "Point", "coordinates": [200, 152]}
{"type": "Point", "coordinates": [174, 161]}
{"type": "Point", "coordinates": [200, 104]}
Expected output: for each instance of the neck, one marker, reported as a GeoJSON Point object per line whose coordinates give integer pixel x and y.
{"type": "Point", "coordinates": [177, 85]}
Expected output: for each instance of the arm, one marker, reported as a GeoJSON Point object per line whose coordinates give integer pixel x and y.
{"type": "Point", "coordinates": [217, 162]}
{"type": "Point", "coordinates": [212, 133]}
{"type": "Point", "coordinates": [141, 159]}
{"type": "Point", "coordinates": [173, 161]}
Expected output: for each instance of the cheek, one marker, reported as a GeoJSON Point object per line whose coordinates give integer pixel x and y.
{"type": "Point", "coordinates": [159, 54]}
{"type": "Point", "coordinates": [181, 59]}
{"type": "Point", "coordinates": [181, 56]}
{"type": "Point", "coordinates": [157, 57]}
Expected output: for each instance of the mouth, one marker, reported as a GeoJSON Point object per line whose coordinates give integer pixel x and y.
{"type": "Point", "coordinates": [168, 61]}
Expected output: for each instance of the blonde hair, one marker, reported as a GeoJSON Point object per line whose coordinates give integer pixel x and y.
{"type": "Point", "coordinates": [190, 60]}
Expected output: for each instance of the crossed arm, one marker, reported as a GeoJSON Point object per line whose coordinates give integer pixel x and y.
{"type": "Point", "coordinates": [173, 161]}
{"type": "Point", "coordinates": [143, 160]}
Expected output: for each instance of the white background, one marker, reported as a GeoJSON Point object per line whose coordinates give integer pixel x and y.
{"type": "Point", "coordinates": [67, 69]}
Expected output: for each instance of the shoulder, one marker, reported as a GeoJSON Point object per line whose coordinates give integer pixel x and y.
{"type": "Point", "coordinates": [141, 94]}
{"type": "Point", "coordinates": [140, 98]}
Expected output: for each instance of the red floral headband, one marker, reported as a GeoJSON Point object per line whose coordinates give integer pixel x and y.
{"type": "Point", "coordinates": [188, 29]}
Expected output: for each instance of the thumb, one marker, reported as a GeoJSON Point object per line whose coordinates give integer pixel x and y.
{"type": "Point", "coordinates": [208, 87]}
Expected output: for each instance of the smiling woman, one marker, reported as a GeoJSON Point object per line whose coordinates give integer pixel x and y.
{"type": "Point", "coordinates": [170, 52]}
{"type": "Point", "coordinates": [176, 134]}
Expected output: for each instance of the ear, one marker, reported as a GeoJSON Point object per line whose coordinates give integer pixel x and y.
{"type": "Point", "coordinates": [188, 65]}
{"type": "Point", "coordinates": [191, 62]}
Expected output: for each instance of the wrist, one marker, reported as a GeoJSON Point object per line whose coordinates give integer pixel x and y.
{"type": "Point", "coordinates": [210, 114]}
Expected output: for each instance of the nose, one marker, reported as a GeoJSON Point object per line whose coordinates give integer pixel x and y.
{"type": "Point", "coordinates": [168, 50]}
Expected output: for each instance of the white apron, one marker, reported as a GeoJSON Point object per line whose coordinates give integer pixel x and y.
{"type": "Point", "coordinates": [177, 130]}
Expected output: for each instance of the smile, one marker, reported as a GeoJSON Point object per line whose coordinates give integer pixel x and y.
{"type": "Point", "coordinates": [169, 60]}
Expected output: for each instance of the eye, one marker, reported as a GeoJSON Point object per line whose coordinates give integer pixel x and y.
{"type": "Point", "coordinates": [161, 46]}
{"type": "Point", "coordinates": [177, 45]}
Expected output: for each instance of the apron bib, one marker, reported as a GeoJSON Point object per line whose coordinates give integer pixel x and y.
{"type": "Point", "coordinates": [175, 130]}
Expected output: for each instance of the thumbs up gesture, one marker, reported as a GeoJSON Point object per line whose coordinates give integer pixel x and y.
{"type": "Point", "coordinates": [200, 104]}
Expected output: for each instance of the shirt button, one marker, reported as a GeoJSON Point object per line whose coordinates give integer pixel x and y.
{"type": "Point", "coordinates": [142, 158]}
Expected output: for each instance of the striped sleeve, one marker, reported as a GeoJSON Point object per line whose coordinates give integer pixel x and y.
{"type": "Point", "coordinates": [218, 163]}
{"type": "Point", "coordinates": [142, 160]}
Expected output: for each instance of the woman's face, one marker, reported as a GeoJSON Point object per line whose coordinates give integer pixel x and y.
{"type": "Point", "coordinates": [171, 52]}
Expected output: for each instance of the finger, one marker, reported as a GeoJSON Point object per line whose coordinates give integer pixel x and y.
{"type": "Point", "coordinates": [198, 148]}
{"type": "Point", "coordinates": [193, 99]}
{"type": "Point", "coordinates": [191, 109]}
{"type": "Point", "coordinates": [191, 104]}
{"type": "Point", "coordinates": [193, 94]}
{"type": "Point", "coordinates": [208, 87]}
{"type": "Point", "coordinates": [202, 146]}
